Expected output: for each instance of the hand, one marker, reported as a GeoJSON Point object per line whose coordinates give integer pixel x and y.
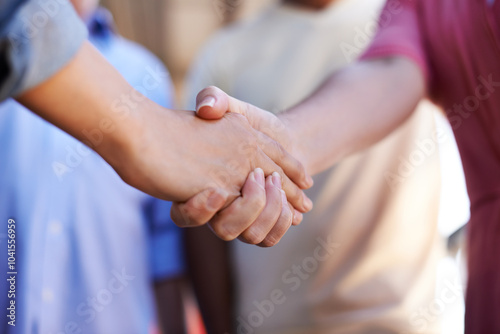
{"type": "Point", "coordinates": [219, 155]}
{"type": "Point", "coordinates": [261, 216]}
{"type": "Point", "coordinates": [180, 154]}
{"type": "Point", "coordinates": [212, 103]}
{"type": "Point", "coordinates": [169, 154]}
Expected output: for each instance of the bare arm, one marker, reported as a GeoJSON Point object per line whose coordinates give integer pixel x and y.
{"type": "Point", "coordinates": [166, 153]}
{"type": "Point", "coordinates": [354, 109]}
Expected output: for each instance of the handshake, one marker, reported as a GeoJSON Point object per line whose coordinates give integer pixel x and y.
{"type": "Point", "coordinates": [230, 165]}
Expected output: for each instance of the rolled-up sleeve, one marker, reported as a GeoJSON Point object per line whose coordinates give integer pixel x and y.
{"type": "Point", "coordinates": [399, 34]}
{"type": "Point", "coordinates": [37, 39]}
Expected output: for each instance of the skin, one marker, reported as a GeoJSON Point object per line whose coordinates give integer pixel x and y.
{"type": "Point", "coordinates": [273, 208]}
{"type": "Point", "coordinates": [319, 130]}
{"type": "Point", "coordinates": [168, 292]}
{"type": "Point", "coordinates": [304, 130]}
{"type": "Point", "coordinates": [85, 8]}
{"type": "Point", "coordinates": [169, 154]}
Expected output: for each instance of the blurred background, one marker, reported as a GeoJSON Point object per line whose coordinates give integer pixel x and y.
{"type": "Point", "coordinates": [185, 26]}
{"type": "Point", "coordinates": [175, 31]}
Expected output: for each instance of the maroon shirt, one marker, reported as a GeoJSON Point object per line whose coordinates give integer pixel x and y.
{"type": "Point", "coordinates": [457, 45]}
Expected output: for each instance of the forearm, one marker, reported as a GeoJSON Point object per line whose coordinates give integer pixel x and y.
{"type": "Point", "coordinates": [354, 109]}
{"type": "Point", "coordinates": [91, 101]}
{"type": "Point", "coordinates": [168, 154]}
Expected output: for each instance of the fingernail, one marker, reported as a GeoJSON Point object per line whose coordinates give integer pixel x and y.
{"type": "Point", "coordinates": [308, 204]}
{"type": "Point", "coordinates": [209, 101]}
{"type": "Point", "coordinates": [277, 180]}
{"type": "Point", "coordinates": [259, 177]}
{"type": "Point", "coordinates": [284, 200]}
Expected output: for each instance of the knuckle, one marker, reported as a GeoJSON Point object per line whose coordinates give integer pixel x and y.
{"type": "Point", "coordinates": [223, 232]}
{"type": "Point", "coordinates": [176, 216]}
{"type": "Point", "coordinates": [281, 153]}
{"type": "Point", "coordinates": [253, 236]}
{"type": "Point", "coordinates": [298, 194]}
{"type": "Point", "coordinates": [300, 170]}
{"type": "Point", "coordinates": [196, 222]}
{"type": "Point", "coordinates": [287, 221]}
{"type": "Point", "coordinates": [293, 192]}
{"type": "Point", "coordinates": [279, 230]}
{"type": "Point", "coordinates": [238, 117]}
{"type": "Point", "coordinates": [190, 216]}
{"type": "Point", "coordinates": [257, 203]}
{"type": "Point", "coordinates": [269, 241]}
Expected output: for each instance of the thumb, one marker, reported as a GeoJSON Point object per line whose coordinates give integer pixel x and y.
{"type": "Point", "coordinates": [212, 103]}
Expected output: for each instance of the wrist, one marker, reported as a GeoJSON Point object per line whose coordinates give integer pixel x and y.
{"type": "Point", "coordinates": [132, 142]}
{"type": "Point", "coordinates": [299, 143]}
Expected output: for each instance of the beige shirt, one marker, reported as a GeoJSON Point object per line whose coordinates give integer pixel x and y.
{"type": "Point", "coordinates": [363, 261]}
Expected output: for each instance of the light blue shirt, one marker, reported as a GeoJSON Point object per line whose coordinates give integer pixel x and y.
{"type": "Point", "coordinates": [37, 38]}
{"type": "Point", "coordinates": [88, 246]}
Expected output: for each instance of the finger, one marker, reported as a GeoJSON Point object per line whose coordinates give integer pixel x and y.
{"type": "Point", "coordinates": [281, 226]}
{"type": "Point", "coordinates": [199, 209]}
{"type": "Point", "coordinates": [292, 167]}
{"type": "Point", "coordinates": [294, 194]}
{"type": "Point", "coordinates": [298, 217]}
{"type": "Point", "coordinates": [261, 227]}
{"type": "Point", "coordinates": [213, 103]}
{"type": "Point", "coordinates": [237, 217]}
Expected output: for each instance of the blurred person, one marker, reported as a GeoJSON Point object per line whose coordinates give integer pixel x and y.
{"type": "Point", "coordinates": [50, 69]}
{"type": "Point", "coordinates": [364, 259]}
{"type": "Point", "coordinates": [445, 49]}
{"type": "Point", "coordinates": [89, 247]}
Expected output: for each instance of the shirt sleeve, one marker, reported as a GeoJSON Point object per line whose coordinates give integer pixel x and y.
{"type": "Point", "coordinates": [36, 42]}
{"type": "Point", "coordinates": [399, 34]}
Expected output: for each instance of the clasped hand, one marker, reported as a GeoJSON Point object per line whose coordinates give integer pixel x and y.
{"type": "Point", "coordinates": [260, 209]}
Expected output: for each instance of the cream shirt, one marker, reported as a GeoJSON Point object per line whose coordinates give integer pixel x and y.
{"type": "Point", "coordinates": [363, 261]}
